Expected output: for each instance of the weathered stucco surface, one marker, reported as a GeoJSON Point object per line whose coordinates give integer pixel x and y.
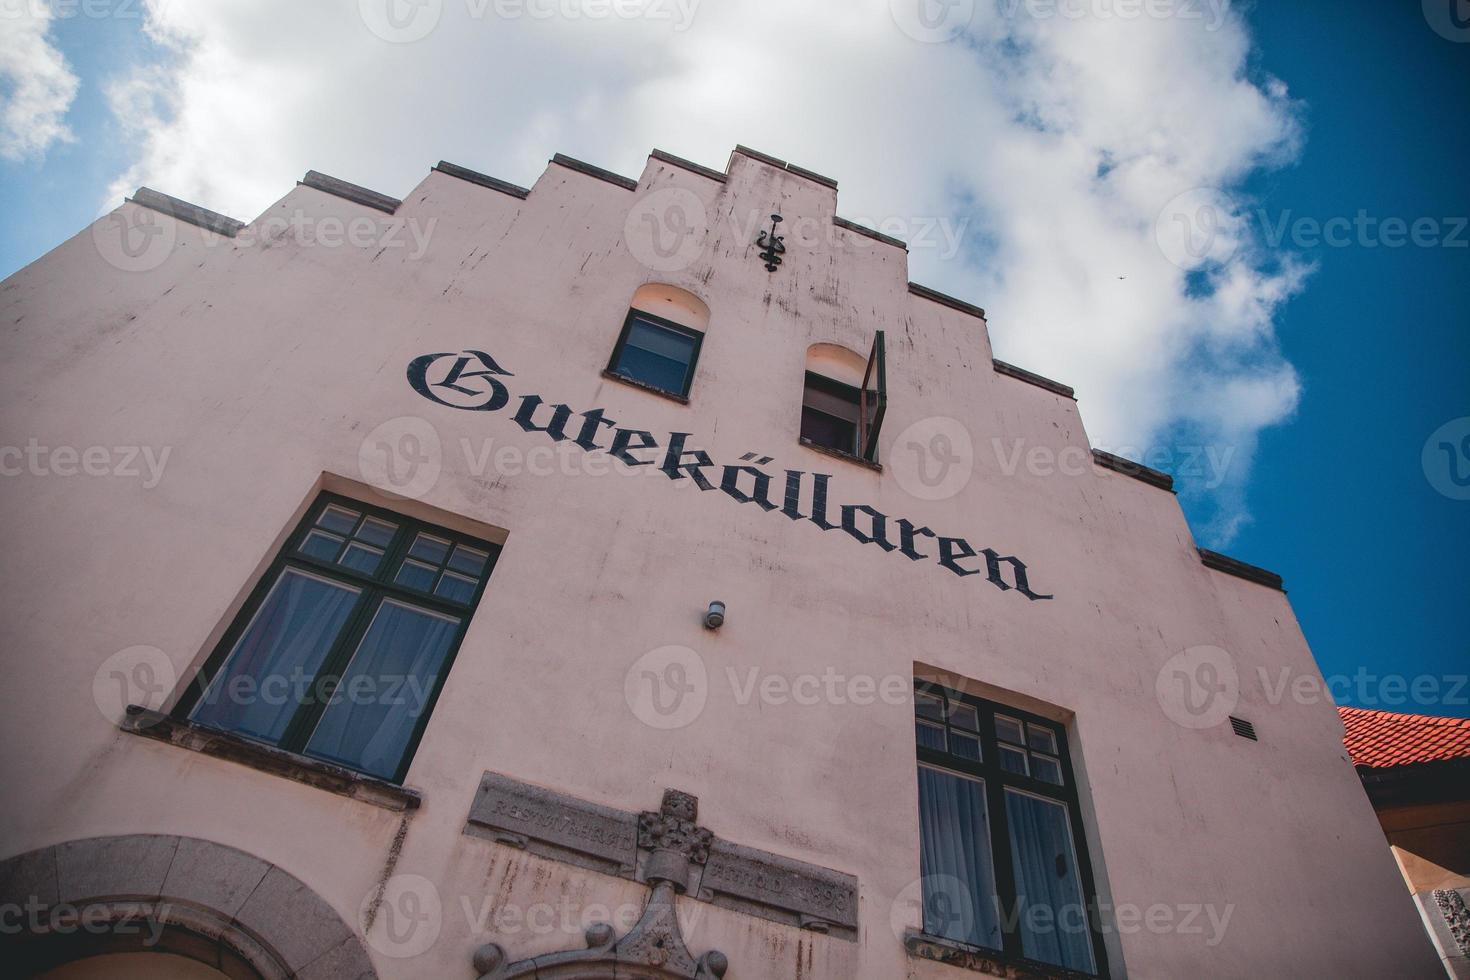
{"type": "Point", "coordinates": [263, 364]}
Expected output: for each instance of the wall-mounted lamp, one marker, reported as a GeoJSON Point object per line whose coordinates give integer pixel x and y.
{"type": "Point", "coordinates": [715, 618]}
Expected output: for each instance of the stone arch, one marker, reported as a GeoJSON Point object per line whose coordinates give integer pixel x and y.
{"type": "Point", "coordinates": [155, 893]}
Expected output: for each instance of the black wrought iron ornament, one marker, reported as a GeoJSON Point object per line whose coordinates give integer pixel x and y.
{"type": "Point", "coordinates": [774, 245]}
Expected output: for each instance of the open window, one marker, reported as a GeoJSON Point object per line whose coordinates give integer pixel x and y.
{"type": "Point", "coordinates": [660, 342]}
{"type": "Point", "coordinates": [844, 399]}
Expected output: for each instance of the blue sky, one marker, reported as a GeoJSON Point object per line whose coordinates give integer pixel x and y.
{"type": "Point", "coordinates": [1322, 368]}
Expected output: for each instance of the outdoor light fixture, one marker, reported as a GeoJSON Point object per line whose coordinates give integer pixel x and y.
{"type": "Point", "coordinates": [715, 618]}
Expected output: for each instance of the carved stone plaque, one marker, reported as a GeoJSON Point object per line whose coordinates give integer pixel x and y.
{"type": "Point", "coordinates": [774, 887]}
{"type": "Point", "coordinates": [666, 846]}
{"type": "Point", "coordinates": [554, 826]}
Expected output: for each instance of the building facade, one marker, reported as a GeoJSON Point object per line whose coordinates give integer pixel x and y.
{"type": "Point", "coordinates": [608, 579]}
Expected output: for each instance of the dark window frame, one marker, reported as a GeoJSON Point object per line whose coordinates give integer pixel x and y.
{"type": "Point", "coordinates": [869, 401]}
{"type": "Point", "coordinates": [996, 780]}
{"type": "Point", "coordinates": [375, 589]}
{"type": "Point", "coordinates": [656, 320]}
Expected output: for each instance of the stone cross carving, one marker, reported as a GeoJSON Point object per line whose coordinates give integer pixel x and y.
{"type": "Point", "coordinates": [655, 946]}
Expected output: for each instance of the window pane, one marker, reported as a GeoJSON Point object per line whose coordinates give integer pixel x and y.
{"type": "Point", "coordinates": [963, 716]}
{"type": "Point", "coordinates": [964, 746]}
{"type": "Point", "coordinates": [338, 519]}
{"type": "Point", "coordinates": [416, 575]}
{"type": "Point", "coordinates": [929, 706]}
{"type": "Point", "coordinates": [1047, 768]}
{"type": "Point", "coordinates": [362, 558]}
{"type": "Point", "coordinates": [656, 355]}
{"type": "Point", "coordinates": [1013, 760]}
{"type": "Point", "coordinates": [430, 549]}
{"type": "Point", "coordinates": [319, 544]}
{"type": "Point", "coordinates": [929, 736]}
{"type": "Point", "coordinates": [377, 532]}
{"type": "Point", "coordinates": [287, 639]}
{"type": "Point", "coordinates": [1042, 740]}
{"type": "Point", "coordinates": [954, 859]}
{"type": "Point", "coordinates": [456, 588]}
{"type": "Point", "coordinates": [469, 560]}
{"type": "Point", "coordinates": [385, 688]}
{"type": "Point", "coordinates": [1046, 875]}
{"type": "Point", "coordinates": [1009, 729]}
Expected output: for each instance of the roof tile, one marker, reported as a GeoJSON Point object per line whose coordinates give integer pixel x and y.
{"type": "Point", "coordinates": [1381, 739]}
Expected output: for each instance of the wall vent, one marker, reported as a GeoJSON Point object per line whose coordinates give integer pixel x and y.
{"type": "Point", "coordinates": [1243, 728]}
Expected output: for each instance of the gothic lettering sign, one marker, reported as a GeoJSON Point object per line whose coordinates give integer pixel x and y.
{"type": "Point", "coordinates": [471, 381]}
{"type": "Point", "coordinates": [776, 887]}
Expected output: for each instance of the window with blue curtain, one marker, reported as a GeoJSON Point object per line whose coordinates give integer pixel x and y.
{"type": "Point", "coordinates": [657, 353]}
{"type": "Point", "coordinates": [1002, 857]}
{"type": "Point", "coordinates": [341, 651]}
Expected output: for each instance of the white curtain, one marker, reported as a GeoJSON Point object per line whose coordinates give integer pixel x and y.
{"type": "Point", "coordinates": [954, 859]}
{"type": "Point", "coordinates": [279, 653]}
{"type": "Point", "coordinates": [384, 690]}
{"type": "Point", "coordinates": [1046, 875]}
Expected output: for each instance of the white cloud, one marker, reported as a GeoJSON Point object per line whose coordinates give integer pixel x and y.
{"type": "Point", "coordinates": [1054, 134]}
{"type": "Point", "coordinates": [36, 85]}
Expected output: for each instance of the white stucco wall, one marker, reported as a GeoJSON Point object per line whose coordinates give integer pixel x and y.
{"type": "Point", "coordinates": [263, 365]}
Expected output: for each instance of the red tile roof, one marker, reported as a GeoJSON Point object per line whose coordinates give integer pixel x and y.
{"type": "Point", "coordinates": [1380, 739]}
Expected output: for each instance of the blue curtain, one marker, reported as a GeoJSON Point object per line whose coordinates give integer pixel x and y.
{"type": "Point", "coordinates": [1046, 875]}
{"type": "Point", "coordinates": [384, 690]}
{"type": "Point", "coordinates": [280, 652]}
{"type": "Point", "coordinates": [954, 859]}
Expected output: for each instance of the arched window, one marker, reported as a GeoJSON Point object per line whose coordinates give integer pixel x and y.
{"type": "Point", "coordinates": [660, 341]}
{"type": "Point", "coordinates": [844, 399]}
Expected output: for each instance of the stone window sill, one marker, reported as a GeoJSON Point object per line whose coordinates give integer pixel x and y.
{"type": "Point", "coordinates": [993, 964]}
{"type": "Point", "coordinates": [311, 772]}
{"type": "Point", "coordinates": [839, 454]}
{"type": "Point", "coordinates": [644, 386]}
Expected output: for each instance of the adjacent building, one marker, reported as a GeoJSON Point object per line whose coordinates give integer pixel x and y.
{"type": "Point", "coordinates": [621, 577]}
{"type": "Point", "coordinates": [1416, 770]}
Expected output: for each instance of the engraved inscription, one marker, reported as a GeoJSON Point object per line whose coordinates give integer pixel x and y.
{"type": "Point", "coordinates": [556, 826]}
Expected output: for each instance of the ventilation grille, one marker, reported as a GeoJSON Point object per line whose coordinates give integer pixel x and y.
{"type": "Point", "coordinates": [1243, 728]}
